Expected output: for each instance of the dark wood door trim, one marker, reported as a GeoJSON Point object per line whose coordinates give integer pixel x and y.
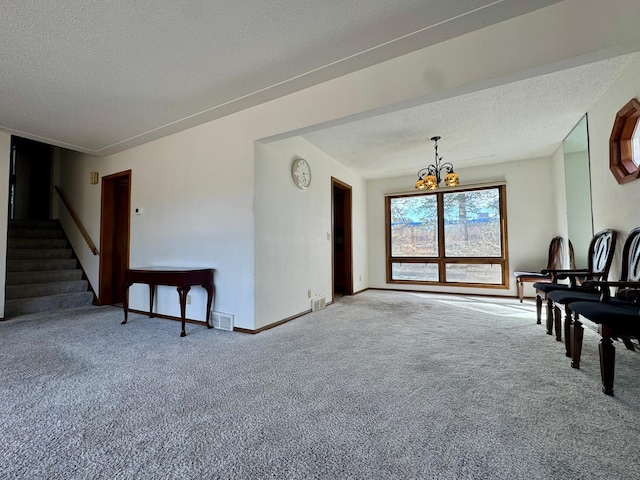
{"type": "Point", "coordinates": [115, 225]}
{"type": "Point", "coordinates": [348, 243]}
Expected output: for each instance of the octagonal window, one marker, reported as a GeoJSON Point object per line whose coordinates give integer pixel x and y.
{"type": "Point", "coordinates": [624, 143]}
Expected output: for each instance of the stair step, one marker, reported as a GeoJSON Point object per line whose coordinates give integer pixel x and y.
{"type": "Point", "coordinates": [40, 265]}
{"type": "Point", "coordinates": [17, 242]}
{"type": "Point", "coordinates": [50, 276]}
{"type": "Point", "coordinates": [45, 289]}
{"type": "Point", "coordinates": [35, 233]}
{"type": "Point", "coordinates": [42, 271]}
{"type": "Point", "coordinates": [41, 224]}
{"type": "Point", "coordinates": [23, 306]}
{"type": "Point", "coordinates": [38, 253]}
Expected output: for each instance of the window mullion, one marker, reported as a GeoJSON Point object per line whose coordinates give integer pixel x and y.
{"type": "Point", "coordinates": [441, 251]}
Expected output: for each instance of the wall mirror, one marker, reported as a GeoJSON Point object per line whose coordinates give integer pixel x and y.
{"type": "Point", "coordinates": [578, 190]}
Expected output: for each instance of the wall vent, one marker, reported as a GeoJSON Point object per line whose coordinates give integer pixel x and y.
{"type": "Point", "coordinates": [223, 321]}
{"type": "Point", "coordinates": [318, 303]}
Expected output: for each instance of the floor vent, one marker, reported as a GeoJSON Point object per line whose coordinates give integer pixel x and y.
{"type": "Point", "coordinates": [223, 321]}
{"type": "Point", "coordinates": [318, 303]}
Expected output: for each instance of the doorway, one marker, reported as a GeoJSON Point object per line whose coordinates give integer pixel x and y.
{"type": "Point", "coordinates": [30, 186]}
{"type": "Point", "coordinates": [114, 236]}
{"type": "Point", "coordinates": [342, 256]}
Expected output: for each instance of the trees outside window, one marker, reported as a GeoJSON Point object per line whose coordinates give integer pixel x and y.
{"type": "Point", "coordinates": [448, 237]}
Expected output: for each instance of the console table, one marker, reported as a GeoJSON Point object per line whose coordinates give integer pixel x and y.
{"type": "Point", "coordinates": [180, 277]}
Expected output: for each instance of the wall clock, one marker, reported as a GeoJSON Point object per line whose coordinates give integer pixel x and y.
{"type": "Point", "coordinates": [301, 173]}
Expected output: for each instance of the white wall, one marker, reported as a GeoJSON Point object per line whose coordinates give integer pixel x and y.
{"type": "Point", "coordinates": [614, 206]}
{"type": "Point", "coordinates": [292, 228]}
{"type": "Point", "coordinates": [196, 192]}
{"type": "Point", "coordinates": [196, 186]}
{"type": "Point", "coordinates": [5, 164]}
{"type": "Point", "coordinates": [531, 221]}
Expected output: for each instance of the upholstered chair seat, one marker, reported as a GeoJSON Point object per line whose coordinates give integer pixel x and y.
{"type": "Point", "coordinates": [614, 321]}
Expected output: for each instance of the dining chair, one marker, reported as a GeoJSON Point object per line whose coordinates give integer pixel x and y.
{"type": "Point", "coordinates": [629, 272]}
{"type": "Point", "coordinates": [599, 259]}
{"type": "Point", "coordinates": [554, 261]}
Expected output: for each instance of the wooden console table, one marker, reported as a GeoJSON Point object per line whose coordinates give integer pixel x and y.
{"type": "Point", "coordinates": [182, 278]}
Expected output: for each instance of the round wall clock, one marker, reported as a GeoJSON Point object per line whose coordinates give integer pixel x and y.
{"type": "Point", "coordinates": [301, 173]}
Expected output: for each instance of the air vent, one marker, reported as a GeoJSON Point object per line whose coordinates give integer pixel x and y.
{"type": "Point", "coordinates": [223, 321]}
{"type": "Point", "coordinates": [318, 303]}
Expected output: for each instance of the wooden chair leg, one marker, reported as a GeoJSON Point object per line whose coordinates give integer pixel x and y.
{"type": "Point", "coordinates": [568, 320]}
{"type": "Point", "coordinates": [577, 332]}
{"type": "Point", "coordinates": [557, 319]}
{"type": "Point", "coordinates": [628, 343]}
{"type": "Point", "coordinates": [607, 364]}
{"type": "Point", "coordinates": [520, 288]}
{"type": "Point", "coordinates": [538, 309]}
{"type": "Point", "coordinates": [549, 317]}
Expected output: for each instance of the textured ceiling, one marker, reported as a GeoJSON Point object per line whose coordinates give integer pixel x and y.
{"type": "Point", "coordinates": [100, 77]}
{"type": "Point", "coordinates": [519, 120]}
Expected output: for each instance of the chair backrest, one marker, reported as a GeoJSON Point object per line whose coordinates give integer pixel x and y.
{"type": "Point", "coordinates": [555, 248]}
{"type": "Point", "coordinates": [631, 257]}
{"type": "Point", "coordinates": [600, 256]}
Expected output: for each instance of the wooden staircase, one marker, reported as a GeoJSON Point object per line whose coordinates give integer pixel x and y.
{"type": "Point", "coordinates": [42, 271]}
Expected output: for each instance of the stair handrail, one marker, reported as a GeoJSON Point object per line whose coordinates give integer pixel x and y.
{"type": "Point", "coordinates": [77, 221]}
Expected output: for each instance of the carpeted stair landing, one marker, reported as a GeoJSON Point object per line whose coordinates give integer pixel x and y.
{"type": "Point", "coordinates": [42, 270]}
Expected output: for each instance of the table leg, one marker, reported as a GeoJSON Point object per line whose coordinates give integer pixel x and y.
{"type": "Point", "coordinates": [182, 292]}
{"type": "Point", "coordinates": [152, 294]}
{"type": "Point", "coordinates": [125, 302]}
{"type": "Point", "coordinates": [209, 288]}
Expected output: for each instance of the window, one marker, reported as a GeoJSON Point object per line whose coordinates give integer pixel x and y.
{"type": "Point", "coordinates": [635, 145]}
{"type": "Point", "coordinates": [451, 237]}
{"type": "Point", "coordinates": [624, 143]}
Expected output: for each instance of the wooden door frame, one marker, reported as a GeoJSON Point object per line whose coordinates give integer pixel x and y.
{"type": "Point", "coordinates": [106, 227]}
{"type": "Point", "coordinates": [348, 243]}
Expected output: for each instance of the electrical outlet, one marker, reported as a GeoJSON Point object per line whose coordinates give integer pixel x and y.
{"type": "Point", "coordinates": [189, 299]}
{"type": "Point", "coordinates": [309, 293]}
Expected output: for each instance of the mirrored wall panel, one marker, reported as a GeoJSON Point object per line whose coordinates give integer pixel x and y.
{"type": "Point", "coordinates": [578, 190]}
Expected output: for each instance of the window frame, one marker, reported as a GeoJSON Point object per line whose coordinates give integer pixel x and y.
{"type": "Point", "coordinates": [621, 161]}
{"type": "Point", "coordinates": [442, 260]}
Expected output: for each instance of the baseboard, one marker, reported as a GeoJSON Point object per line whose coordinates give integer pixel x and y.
{"type": "Point", "coordinates": [406, 290]}
{"type": "Point", "coordinates": [285, 320]}
{"type": "Point", "coordinates": [271, 325]}
{"type": "Point", "coordinates": [169, 317]}
{"type": "Point", "coordinates": [240, 329]}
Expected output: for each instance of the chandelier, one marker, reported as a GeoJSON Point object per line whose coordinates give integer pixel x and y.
{"type": "Point", "coordinates": [429, 178]}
